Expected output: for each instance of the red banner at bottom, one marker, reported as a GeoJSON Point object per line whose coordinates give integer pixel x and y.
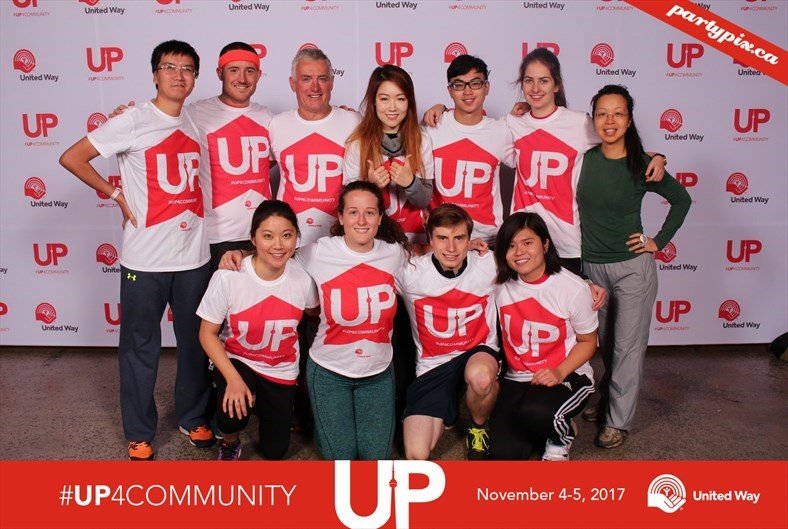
{"type": "Point", "coordinates": [396, 494]}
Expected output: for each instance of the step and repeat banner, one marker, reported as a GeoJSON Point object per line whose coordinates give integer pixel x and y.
{"type": "Point", "coordinates": [67, 63]}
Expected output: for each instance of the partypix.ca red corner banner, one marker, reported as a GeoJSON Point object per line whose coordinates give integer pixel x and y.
{"type": "Point", "coordinates": [401, 494]}
{"type": "Point", "coordinates": [727, 37]}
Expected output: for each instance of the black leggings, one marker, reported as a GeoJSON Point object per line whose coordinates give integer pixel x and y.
{"type": "Point", "coordinates": [273, 405]}
{"type": "Point", "coordinates": [526, 415]}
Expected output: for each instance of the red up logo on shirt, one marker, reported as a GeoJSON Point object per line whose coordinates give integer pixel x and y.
{"type": "Point", "coordinates": [533, 337]}
{"type": "Point", "coordinates": [42, 122]}
{"type": "Point", "coordinates": [687, 53]}
{"type": "Point", "coordinates": [173, 168]}
{"type": "Point", "coordinates": [464, 176]}
{"type": "Point", "coordinates": [729, 310]}
{"type": "Point", "coordinates": [360, 305]}
{"type": "Point", "coordinates": [106, 58]}
{"type": "Point", "coordinates": [239, 153]}
{"type": "Point", "coordinates": [755, 118]}
{"type": "Point", "coordinates": [265, 332]}
{"type": "Point", "coordinates": [675, 309]}
{"type": "Point", "coordinates": [397, 52]}
{"type": "Point", "coordinates": [35, 188]}
{"type": "Point", "coordinates": [312, 170]}
{"type": "Point", "coordinates": [453, 321]}
{"type": "Point", "coordinates": [544, 174]}
{"type": "Point", "coordinates": [747, 248]}
{"type": "Point", "coordinates": [53, 251]}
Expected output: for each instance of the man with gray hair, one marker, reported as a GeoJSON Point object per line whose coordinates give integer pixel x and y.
{"type": "Point", "coordinates": [309, 144]}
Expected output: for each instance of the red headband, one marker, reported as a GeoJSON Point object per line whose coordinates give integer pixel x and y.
{"type": "Point", "coordinates": [239, 55]}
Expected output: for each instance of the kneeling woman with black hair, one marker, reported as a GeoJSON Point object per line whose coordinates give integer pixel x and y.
{"type": "Point", "coordinates": [549, 335]}
{"type": "Point", "coordinates": [256, 358]}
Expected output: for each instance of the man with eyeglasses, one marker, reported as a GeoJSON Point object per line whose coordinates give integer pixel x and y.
{"type": "Point", "coordinates": [469, 147]}
{"type": "Point", "coordinates": [164, 257]}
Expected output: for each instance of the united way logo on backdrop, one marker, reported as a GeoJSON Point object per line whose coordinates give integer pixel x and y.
{"type": "Point", "coordinates": [24, 61]}
{"type": "Point", "coordinates": [46, 314]}
{"type": "Point", "coordinates": [672, 314]}
{"type": "Point", "coordinates": [552, 46]}
{"type": "Point", "coordinates": [602, 55]}
{"type": "Point", "coordinates": [737, 185]}
{"type": "Point", "coordinates": [557, 6]}
{"type": "Point", "coordinates": [672, 121]}
{"type": "Point", "coordinates": [95, 120]}
{"type": "Point", "coordinates": [746, 70]}
{"type": "Point", "coordinates": [392, 52]}
{"type": "Point", "coordinates": [107, 256]}
{"type": "Point", "coordinates": [743, 255]}
{"type": "Point", "coordinates": [36, 189]}
{"type": "Point", "coordinates": [750, 123]}
{"type": "Point", "coordinates": [245, 6]}
{"type": "Point", "coordinates": [683, 59]}
{"type": "Point", "coordinates": [454, 50]}
{"type": "Point", "coordinates": [92, 7]}
{"type": "Point", "coordinates": [669, 259]}
{"type": "Point", "coordinates": [729, 313]}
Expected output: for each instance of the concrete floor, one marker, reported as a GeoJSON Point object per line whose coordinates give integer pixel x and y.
{"type": "Point", "coordinates": [698, 402]}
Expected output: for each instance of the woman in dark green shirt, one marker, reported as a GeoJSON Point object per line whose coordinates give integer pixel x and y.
{"type": "Point", "coordinates": [617, 255]}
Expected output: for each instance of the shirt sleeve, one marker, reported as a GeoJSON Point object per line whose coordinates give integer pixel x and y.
{"type": "Point", "coordinates": [582, 317]}
{"type": "Point", "coordinates": [306, 255]}
{"type": "Point", "coordinates": [679, 199]}
{"type": "Point", "coordinates": [215, 303]}
{"type": "Point", "coordinates": [507, 157]}
{"type": "Point", "coordinates": [116, 135]}
{"type": "Point", "coordinates": [351, 170]}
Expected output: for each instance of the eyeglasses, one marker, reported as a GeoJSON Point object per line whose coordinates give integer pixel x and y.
{"type": "Point", "coordinates": [618, 116]}
{"type": "Point", "coordinates": [172, 68]}
{"type": "Point", "coordinates": [475, 84]}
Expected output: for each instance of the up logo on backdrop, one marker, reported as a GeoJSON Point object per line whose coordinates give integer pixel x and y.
{"type": "Point", "coordinates": [112, 319]}
{"type": "Point", "coordinates": [103, 59]}
{"type": "Point", "coordinates": [40, 126]}
{"type": "Point", "coordinates": [24, 61]}
{"type": "Point", "coordinates": [687, 54]}
{"type": "Point", "coordinates": [393, 488]}
{"type": "Point", "coordinates": [115, 181]}
{"type": "Point", "coordinates": [750, 120]}
{"type": "Point", "coordinates": [396, 53]}
{"type": "Point", "coordinates": [746, 249]}
{"type": "Point", "coordinates": [552, 46]}
{"type": "Point", "coordinates": [672, 310]}
{"type": "Point", "coordinates": [51, 254]}
{"type": "Point", "coordinates": [173, 167]}
{"type": "Point", "coordinates": [454, 50]}
{"type": "Point", "coordinates": [687, 179]}
{"type": "Point", "coordinates": [666, 492]}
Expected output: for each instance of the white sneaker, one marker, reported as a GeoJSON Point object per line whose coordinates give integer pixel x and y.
{"type": "Point", "coordinates": [556, 451]}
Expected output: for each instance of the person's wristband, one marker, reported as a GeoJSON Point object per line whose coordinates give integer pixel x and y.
{"type": "Point", "coordinates": [115, 194]}
{"type": "Point", "coordinates": [663, 156]}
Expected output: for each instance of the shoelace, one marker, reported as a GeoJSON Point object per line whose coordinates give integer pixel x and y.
{"type": "Point", "coordinates": [227, 451]}
{"type": "Point", "coordinates": [479, 442]}
{"type": "Point", "coordinates": [134, 445]}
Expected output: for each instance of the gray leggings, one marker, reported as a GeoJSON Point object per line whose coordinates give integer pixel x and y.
{"type": "Point", "coordinates": [354, 417]}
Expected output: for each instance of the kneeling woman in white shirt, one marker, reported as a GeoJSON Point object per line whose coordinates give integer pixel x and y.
{"type": "Point", "coordinates": [256, 355]}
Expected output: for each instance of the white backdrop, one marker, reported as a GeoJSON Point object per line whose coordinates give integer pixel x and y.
{"type": "Point", "coordinates": [65, 63]}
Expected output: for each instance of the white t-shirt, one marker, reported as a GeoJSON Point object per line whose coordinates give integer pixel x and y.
{"type": "Point", "coordinates": [468, 159]}
{"type": "Point", "coordinates": [539, 322]}
{"type": "Point", "coordinates": [309, 154]}
{"type": "Point", "coordinates": [236, 160]}
{"type": "Point", "coordinates": [261, 317]}
{"type": "Point", "coordinates": [357, 304]}
{"type": "Point", "coordinates": [159, 160]}
{"type": "Point", "coordinates": [549, 155]}
{"type": "Point", "coordinates": [449, 315]}
{"type": "Point", "coordinates": [409, 217]}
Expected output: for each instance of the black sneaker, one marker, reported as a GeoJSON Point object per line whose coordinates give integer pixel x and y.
{"type": "Point", "coordinates": [229, 451]}
{"type": "Point", "coordinates": [478, 443]}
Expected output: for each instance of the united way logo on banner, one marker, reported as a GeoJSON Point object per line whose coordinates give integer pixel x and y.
{"type": "Point", "coordinates": [683, 59]}
{"type": "Point", "coordinates": [672, 121]}
{"type": "Point", "coordinates": [454, 50]}
{"type": "Point", "coordinates": [667, 257]}
{"type": "Point", "coordinates": [93, 7]}
{"type": "Point", "coordinates": [602, 55]}
{"type": "Point", "coordinates": [36, 189]}
{"type": "Point", "coordinates": [667, 493]}
{"type": "Point", "coordinates": [749, 124]}
{"type": "Point", "coordinates": [729, 313]}
{"type": "Point", "coordinates": [737, 185]}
